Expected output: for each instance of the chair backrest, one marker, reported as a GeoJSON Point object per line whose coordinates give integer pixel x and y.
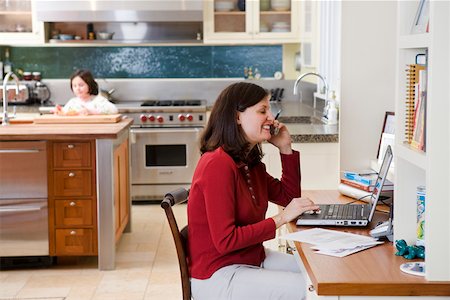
{"type": "Point", "coordinates": [180, 237]}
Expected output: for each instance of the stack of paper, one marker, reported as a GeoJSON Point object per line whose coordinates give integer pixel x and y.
{"type": "Point", "coordinates": [332, 242]}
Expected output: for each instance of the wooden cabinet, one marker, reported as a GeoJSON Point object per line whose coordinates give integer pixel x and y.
{"type": "Point", "coordinates": [75, 241]}
{"type": "Point", "coordinates": [18, 23]}
{"type": "Point", "coordinates": [72, 198]}
{"type": "Point", "coordinates": [259, 23]}
{"type": "Point", "coordinates": [430, 168]}
{"type": "Point", "coordinates": [72, 155]}
{"type": "Point", "coordinates": [121, 188]}
{"type": "Point", "coordinates": [74, 212]}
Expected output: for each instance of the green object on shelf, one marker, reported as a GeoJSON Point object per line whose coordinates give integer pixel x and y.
{"type": "Point", "coordinates": [401, 247]}
{"type": "Point", "coordinates": [409, 252]}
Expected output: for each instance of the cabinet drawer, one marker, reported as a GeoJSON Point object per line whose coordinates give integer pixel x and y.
{"type": "Point", "coordinates": [67, 155]}
{"type": "Point", "coordinates": [74, 241]}
{"type": "Point", "coordinates": [73, 212]}
{"type": "Point", "coordinates": [72, 183]}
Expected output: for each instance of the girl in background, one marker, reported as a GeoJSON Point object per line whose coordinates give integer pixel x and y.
{"type": "Point", "coordinates": [86, 100]}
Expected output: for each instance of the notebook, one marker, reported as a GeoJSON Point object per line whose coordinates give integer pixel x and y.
{"type": "Point", "coordinates": [350, 214]}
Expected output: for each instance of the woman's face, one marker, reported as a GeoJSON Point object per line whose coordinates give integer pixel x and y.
{"type": "Point", "coordinates": [80, 88]}
{"type": "Point", "coordinates": [255, 122]}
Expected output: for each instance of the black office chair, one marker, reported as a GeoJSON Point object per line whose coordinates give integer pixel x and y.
{"type": "Point", "coordinates": [180, 237]}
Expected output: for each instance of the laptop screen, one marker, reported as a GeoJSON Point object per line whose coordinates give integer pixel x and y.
{"type": "Point", "coordinates": [380, 180]}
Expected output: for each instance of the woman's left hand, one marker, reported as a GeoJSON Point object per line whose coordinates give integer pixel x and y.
{"type": "Point", "coordinates": [282, 138]}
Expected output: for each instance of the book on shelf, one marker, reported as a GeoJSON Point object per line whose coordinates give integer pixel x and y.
{"type": "Point", "coordinates": [418, 135]}
{"type": "Point", "coordinates": [412, 98]}
{"type": "Point", "coordinates": [388, 185]}
{"type": "Point", "coordinates": [366, 176]}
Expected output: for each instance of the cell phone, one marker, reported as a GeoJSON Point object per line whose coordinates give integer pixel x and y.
{"type": "Point", "coordinates": [273, 130]}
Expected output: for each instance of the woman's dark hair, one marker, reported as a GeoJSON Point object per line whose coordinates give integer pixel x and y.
{"type": "Point", "coordinates": [223, 130]}
{"type": "Point", "coordinates": [87, 77]}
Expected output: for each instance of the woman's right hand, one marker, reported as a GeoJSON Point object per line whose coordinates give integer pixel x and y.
{"type": "Point", "coordinates": [295, 208]}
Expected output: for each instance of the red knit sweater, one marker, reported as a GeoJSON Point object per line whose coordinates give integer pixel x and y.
{"type": "Point", "coordinates": [226, 226]}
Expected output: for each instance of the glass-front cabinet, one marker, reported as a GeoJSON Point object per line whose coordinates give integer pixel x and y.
{"type": "Point", "coordinates": [251, 21]}
{"type": "Point", "coordinates": [18, 23]}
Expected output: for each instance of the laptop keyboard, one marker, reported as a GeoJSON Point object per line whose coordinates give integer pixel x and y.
{"type": "Point", "coordinates": [340, 212]}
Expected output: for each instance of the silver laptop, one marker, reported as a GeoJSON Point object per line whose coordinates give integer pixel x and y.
{"type": "Point", "coordinates": [350, 214]}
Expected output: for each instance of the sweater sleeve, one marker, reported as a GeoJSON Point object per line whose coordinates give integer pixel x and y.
{"type": "Point", "coordinates": [73, 106]}
{"type": "Point", "coordinates": [222, 200]}
{"type": "Point", "coordinates": [282, 192]}
{"type": "Point", "coordinates": [101, 106]}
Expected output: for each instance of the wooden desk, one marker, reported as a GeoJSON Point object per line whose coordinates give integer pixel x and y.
{"type": "Point", "coordinates": [372, 272]}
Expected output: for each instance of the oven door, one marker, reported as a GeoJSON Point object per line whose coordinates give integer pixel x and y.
{"type": "Point", "coordinates": [164, 155]}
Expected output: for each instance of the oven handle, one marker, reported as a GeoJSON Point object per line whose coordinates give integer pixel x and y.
{"type": "Point", "coordinates": [134, 131]}
{"type": "Point", "coordinates": [21, 208]}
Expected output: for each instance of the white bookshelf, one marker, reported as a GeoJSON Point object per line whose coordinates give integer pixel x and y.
{"type": "Point", "coordinates": [430, 168]}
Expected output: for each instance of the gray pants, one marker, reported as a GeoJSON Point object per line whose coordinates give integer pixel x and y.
{"type": "Point", "coordinates": [278, 277]}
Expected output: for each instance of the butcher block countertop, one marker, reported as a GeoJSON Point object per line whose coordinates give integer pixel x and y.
{"type": "Point", "coordinates": [63, 131]}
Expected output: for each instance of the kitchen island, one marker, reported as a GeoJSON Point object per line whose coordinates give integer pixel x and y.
{"type": "Point", "coordinates": [88, 185]}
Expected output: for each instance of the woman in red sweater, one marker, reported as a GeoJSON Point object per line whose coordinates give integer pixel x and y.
{"type": "Point", "coordinates": [228, 201]}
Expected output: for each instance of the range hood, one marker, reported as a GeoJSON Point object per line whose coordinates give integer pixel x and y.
{"type": "Point", "coordinates": [119, 11]}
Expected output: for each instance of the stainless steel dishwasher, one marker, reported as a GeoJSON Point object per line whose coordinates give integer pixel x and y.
{"type": "Point", "coordinates": [23, 199]}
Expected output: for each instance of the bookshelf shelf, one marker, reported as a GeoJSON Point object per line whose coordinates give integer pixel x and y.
{"type": "Point", "coordinates": [411, 155]}
{"type": "Point", "coordinates": [414, 167]}
{"type": "Point", "coordinates": [414, 41]}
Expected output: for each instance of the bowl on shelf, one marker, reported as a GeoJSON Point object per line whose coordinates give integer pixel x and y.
{"type": "Point", "coordinates": [280, 27]}
{"type": "Point", "coordinates": [223, 5]}
{"type": "Point", "coordinates": [280, 5]}
{"type": "Point", "coordinates": [105, 35]}
{"type": "Point", "coordinates": [66, 37]}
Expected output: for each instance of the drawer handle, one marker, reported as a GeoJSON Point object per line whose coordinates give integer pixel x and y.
{"type": "Point", "coordinates": [311, 288]}
{"type": "Point", "coordinates": [71, 174]}
{"type": "Point", "coordinates": [70, 146]}
{"type": "Point", "coordinates": [73, 203]}
{"type": "Point", "coordinates": [73, 232]}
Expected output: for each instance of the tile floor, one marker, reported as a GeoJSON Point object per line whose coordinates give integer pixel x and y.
{"type": "Point", "coordinates": [146, 267]}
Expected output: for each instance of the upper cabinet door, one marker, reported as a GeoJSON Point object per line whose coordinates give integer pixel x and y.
{"type": "Point", "coordinates": [223, 20]}
{"type": "Point", "coordinates": [261, 21]}
{"type": "Point", "coordinates": [308, 32]}
{"type": "Point", "coordinates": [18, 23]}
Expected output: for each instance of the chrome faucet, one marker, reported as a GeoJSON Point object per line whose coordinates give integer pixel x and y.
{"type": "Point", "coordinates": [325, 84]}
{"type": "Point", "coordinates": [5, 120]}
{"type": "Point", "coordinates": [306, 74]}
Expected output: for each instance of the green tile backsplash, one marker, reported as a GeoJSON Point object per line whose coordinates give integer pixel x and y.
{"type": "Point", "coordinates": [149, 62]}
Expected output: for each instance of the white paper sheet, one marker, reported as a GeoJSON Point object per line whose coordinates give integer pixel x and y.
{"type": "Point", "coordinates": [332, 242]}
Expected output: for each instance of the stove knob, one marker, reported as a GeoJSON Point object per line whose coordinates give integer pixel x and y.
{"type": "Point", "coordinates": [143, 118]}
{"type": "Point", "coordinates": [151, 118]}
{"type": "Point", "coordinates": [160, 119]}
{"type": "Point", "coordinates": [181, 117]}
{"type": "Point", "coordinates": [190, 117]}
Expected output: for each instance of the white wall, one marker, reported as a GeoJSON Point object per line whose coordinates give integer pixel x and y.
{"type": "Point", "coordinates": [367, 78]}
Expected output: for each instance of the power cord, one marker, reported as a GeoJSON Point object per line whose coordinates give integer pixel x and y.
{"type": "Point", "coordinates": [359, 199]}
{"type": "Point", "coordinates": [381, 199]}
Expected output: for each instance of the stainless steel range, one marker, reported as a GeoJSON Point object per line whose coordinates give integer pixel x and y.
{"type": "Point", "coordinates": [164, 145]}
